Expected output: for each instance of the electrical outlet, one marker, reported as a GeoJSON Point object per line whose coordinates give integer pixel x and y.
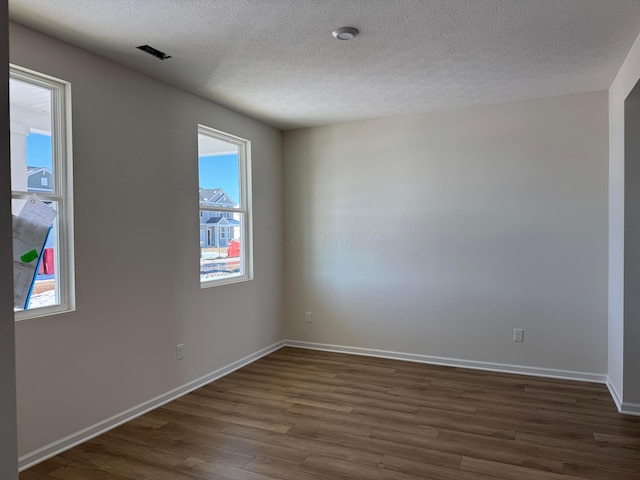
{"type": "Point", "coordinates": [307, 317]}
{"type": "Point", "coordinates": [180, 351]}
{"type": "Point", "coordinates": [518, 335]}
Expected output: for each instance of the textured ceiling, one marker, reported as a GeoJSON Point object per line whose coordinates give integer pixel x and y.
{"type": "Point", "coordinates": [277, 61]}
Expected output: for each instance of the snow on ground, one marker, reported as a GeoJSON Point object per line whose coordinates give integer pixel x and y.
{"type": "Point", "coordinates": [211, 275]}
{"type": "Point", "coordinates": [44, 299]}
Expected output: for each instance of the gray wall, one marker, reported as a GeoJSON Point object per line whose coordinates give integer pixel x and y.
{"type": "Point", "coordinates": [623, 375]}
{"type": "Point", "coordinates": [8, 452]}
{"type": "Point", "coordinates": [632, 240]}
{"type": "Point", "coordinates": [137, 251]}
{"type": "Point", "coordinates": [437, 234]}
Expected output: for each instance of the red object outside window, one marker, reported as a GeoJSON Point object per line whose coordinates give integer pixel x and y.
{"type": "Point", "coordinates": [233, 249]}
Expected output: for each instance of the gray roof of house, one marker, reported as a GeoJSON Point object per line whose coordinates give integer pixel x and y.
{"type": "Point", "coordinates": [31, 169]}
{"type": "Point", "coordinates": [215, 195]}
{"type": "Point", "coordinates": [229, 221]}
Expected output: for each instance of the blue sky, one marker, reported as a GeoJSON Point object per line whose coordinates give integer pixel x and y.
{"type": "Point", "coordinates": [220, 171]}
{"type": "Point", "coordinates": [39, 150]}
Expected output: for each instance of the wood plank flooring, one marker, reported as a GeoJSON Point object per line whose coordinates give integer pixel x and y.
{"type": "Point", "coordinates": [308, 415]}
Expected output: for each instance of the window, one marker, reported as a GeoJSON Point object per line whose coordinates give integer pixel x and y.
{"type": "Point", "coordinates": [224, 173]}
{"type": "Point", "coordinates": [41, 169]}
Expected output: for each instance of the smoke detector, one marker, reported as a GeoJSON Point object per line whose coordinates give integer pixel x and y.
{"type": "Point", "coordinates": [345, 33]}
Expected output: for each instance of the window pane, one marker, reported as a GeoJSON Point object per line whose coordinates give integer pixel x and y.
{"type": "Point", "coordinates": [46, 287]}
{"type": "Point", "coordinates": [221, 245]}
{"type": "Point", "coordinates": [218, 171]}
{"type": "Point", "coordinates": [32, 167]}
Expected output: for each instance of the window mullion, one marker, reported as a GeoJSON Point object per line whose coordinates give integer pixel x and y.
{"type": "Point", "coordinates": [45, 197]}
{"type": "Point", "coordinates": [230, 210]}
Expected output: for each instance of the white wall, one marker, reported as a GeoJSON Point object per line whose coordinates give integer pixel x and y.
{"type": "Point", "coordinates": [624, 364]}
{"type": "Point", "coordinates": [8, 449]}
{"type": "Point", "coordinates": [437, 234]}
{"type": "Point", "coordinates": [137, 250]}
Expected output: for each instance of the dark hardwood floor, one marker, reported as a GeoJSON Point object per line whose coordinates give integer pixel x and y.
{"type": "Point", "coordinates": [308, 415]}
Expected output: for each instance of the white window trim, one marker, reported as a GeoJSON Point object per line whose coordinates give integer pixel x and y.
{"type": "Point", "coordinates": [63, 183]}
{"type": "Point", "coordinates": [246, 209]}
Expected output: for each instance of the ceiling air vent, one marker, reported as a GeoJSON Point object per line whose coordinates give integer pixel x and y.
{"type": "Point", "coordinates": [152, 51]}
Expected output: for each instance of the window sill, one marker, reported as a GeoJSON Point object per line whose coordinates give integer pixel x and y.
{"type": "Point", "coordinates": [225, 281]}
{"type": "Point", "coordinates": [42, 312]}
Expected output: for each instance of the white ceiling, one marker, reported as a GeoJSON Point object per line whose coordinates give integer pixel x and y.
{"type": "Point", "coordinates": [277, 61]}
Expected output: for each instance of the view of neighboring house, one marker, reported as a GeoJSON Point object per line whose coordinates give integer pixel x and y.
{"type": "Point", "coordinates": [217, 228]}
{"type": "Point", "coordinates": [39, 179]}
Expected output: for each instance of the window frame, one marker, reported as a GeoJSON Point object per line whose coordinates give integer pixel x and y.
{"type": "Point", "coordinates": [245, 207]}
{"type": "Point", "coordinates": [62, 166]}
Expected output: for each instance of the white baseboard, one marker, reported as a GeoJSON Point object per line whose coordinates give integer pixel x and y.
{"type": "Point", "coordinates": [40, 455]}
{"type": "Point", "coordinates": [630, 408]}
{"type": "Point", "coordinates": [614, 394]}
{"type": "Point", "coordinates": [454, 362]}
{"type": "Point", "coordinates": [626, 408]}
